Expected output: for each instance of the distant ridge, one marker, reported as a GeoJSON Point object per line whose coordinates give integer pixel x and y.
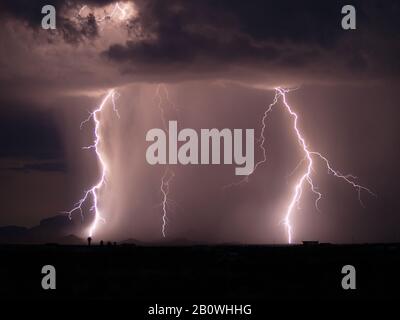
{"type": "Point", "coordinates": [57, 229]}
{"type": "Point", "coordinates": [180, 242]}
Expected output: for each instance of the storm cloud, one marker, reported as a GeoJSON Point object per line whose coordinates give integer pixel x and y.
{"type": "Point", "coordinates": [254, 42]}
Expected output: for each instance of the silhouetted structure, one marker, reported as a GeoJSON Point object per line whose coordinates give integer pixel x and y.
{"type": "Point", "coordinates": [89, 240]}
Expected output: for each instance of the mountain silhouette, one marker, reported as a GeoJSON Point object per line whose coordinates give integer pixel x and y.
{"type": "Point", "coordinates": [58, 229]}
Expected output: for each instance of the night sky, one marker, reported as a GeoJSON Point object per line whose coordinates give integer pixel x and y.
{"type": "Point", "coordinates": [220, 62]}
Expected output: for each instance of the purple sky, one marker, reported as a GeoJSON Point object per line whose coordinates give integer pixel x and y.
{"type": "Point", "coordinates": [219, 63]}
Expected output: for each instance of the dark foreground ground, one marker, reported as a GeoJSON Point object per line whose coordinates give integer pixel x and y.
{"type": "Point", "coordinates": [197, 274]}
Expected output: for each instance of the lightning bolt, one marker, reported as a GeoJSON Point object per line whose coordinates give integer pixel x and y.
{"type": "Point", "coordinates": [309, 157]}
{"type": "Point", "coordinates": [164, 187]}
{"type": "Point", "coordinates": [94, 191]}
{"type": "Point", "coordinates": [169, 174]}
{"type": "Point", "coordinates": [81, 10]}
{"type": "Point", "coordinates": [261, 141]}
{"type": "Point", "coordinates": [117, 9]}
{"type": "Point", "coordinates": [306, 176]}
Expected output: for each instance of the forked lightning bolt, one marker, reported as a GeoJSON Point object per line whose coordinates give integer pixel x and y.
{"type": "Point", "coordinates": [306, 176]}
{"type": "Point", "coordinates": [94, 191]}
{"type": "Point", "coordinates": [169, 174]}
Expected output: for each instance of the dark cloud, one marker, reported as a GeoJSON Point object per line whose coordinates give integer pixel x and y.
{"type": "Point", "coordinates": [27, 133]}
{"type": "Point", "coordinates": [265, 41]}
{"type": "Point", "coordinates": [54, 166]}
{"type": "Point", "coordinates": [28, 11]}
{"type": "Point", "coordinates": [72, 30]}
{"type": "Point", "coordinates": [204, 36]}
{"type": "Point", "coordinates": [31, 11]}
{"type": "Point", "coordinates": [201, 37]}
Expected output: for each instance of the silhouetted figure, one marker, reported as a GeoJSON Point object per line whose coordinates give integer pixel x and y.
{"type": "Point", "coordinates": [101, 242]}
{"type": "Point", "coordinates": [89, 241]}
